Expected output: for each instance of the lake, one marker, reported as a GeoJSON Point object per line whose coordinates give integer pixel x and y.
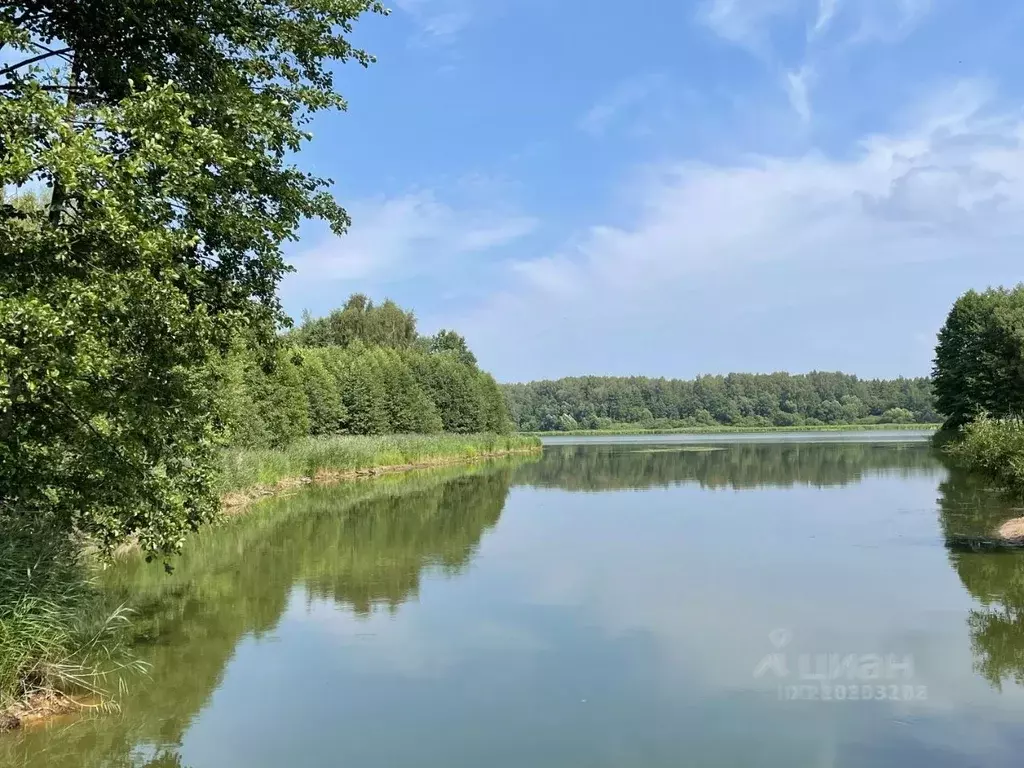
{"type": "Point", "coordinates": [803, 600]}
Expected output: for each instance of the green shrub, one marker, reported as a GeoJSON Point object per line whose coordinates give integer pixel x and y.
{"type": "Point", "coordinates": [992, 447]}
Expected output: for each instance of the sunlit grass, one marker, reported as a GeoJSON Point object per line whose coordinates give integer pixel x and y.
{"type": "Point", "coordinates": [57, 635]}
{"type": "Point", "coordinates": [305, 458]}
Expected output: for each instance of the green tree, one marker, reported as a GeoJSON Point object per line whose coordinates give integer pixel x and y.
{"type": "Point", "coordinates": [454, 389]}
{"type": "Point", "coordinates": [364, 396]}
{"type": "Point", "coordinates": [450, 341]}
{"type": "Point", "coordinates": [238, 408]}
{"type": "Point", "coordinates": [326, 411]}
{"type": "Point", "coordinates": [494, 414]}
{"type": "Point", "coordinates": [897, 416]}
{"type": "Point", "coordinates": [979, 359]}
{"type": "Point", "coordinates": [409, 407]}
{"type": "Point", "coordinates": [279, 396]}
{"type": "Point", "coordinates": [165, 131]}
{"type": "Point", "coordinates": [386, 325]}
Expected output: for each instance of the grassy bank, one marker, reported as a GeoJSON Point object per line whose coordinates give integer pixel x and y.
{"type": "Point", "coordinates": [59, 637]}
{"type": "Point", "coordinates": [245, 469]}
{"type": "Point", "coordinates": [722, 429]}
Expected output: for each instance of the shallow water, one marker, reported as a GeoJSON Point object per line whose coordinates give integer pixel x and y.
{"type": "Point", "coordinates": [770, 602]}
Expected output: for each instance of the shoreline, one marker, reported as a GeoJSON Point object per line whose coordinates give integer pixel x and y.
{"type": "Point", "coordinates": [726, 430]}
{"type": "Point", "coordinates": [236, 502]}
{"type": "Point", "coordinates": [44, 706]}
{"type": "Point", "coordinates": [41, 707]}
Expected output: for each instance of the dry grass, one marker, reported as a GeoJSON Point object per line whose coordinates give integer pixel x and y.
{"type": "Point", "coordinates": [1012, 531]}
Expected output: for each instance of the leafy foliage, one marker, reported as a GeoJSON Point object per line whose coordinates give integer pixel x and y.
{"type": "Point", "coordinates": [386, 325]}
{"type": "Point", "coordinates": [994, 448]}
{"type": "Point", "coordinates": [979, 360]}
{"type": "Point", "coordinates": [163, 131]}
{"type": "Point", "coordinates": [374, 383]}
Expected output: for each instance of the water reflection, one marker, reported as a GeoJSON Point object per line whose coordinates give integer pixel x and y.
{"type": "Point", "coordinates": [726, 465]}
{"type": "Point", "coordinates": [970, 512]}
{"type": "Point", "coordinates": [362, 546]}
{"type": "Point", "coordinates": [587, 630]}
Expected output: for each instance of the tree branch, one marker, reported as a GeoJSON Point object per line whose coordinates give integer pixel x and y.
{"type": "Point", "coordinates": [26, 62]}
{"type": "Point", "coordinates": [69, 88]}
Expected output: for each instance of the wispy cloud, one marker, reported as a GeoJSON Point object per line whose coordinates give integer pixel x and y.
{"type": "Point", "coordinates": [712, 244]}
{"type": "Point", "coordinates": [797, 88]}
{"type": "Point", "coordinates": [745, 22]}
{"type": "Point", "coordinates": [439, 21]}
{"type": "Point", "coordinates": [751, 23]}
{"type": "Point", "coordinates": [888, 21]}
{"type": "Point", "coordinates": [834, 29]}
{"type": "Point", "coordinates": [826, 12]}
{"type": "Point", "coordinates": [627, 96]}
{"type": "Point", "coordinates": [395, 238]}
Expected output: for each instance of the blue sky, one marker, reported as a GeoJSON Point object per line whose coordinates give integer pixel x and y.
{"type": "Point", "coordinates": [675, 188]}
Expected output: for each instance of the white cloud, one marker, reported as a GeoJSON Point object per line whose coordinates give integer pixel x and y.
{"type": "Point", "coordinates": [628, 96]}
{"type": "Point", "coordinates": [797, 87]}
{"type": "Point", "coordinates": [440, 21]}
{"type": "Point", "coordinates": [949, 188]}
{"type": "Point", "coordinates": [889, 20]}
{"type": "Point", "coordinates": [396, 238]}
{"type": "Point", "coordinates": [826, 12]}
{"type": "Point", "coordinates": [744, 21]}
{"type": "Point", "coordinates": [749, 23]}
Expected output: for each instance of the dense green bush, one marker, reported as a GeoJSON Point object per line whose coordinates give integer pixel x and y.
{"type": "Point", "coordinates": [993, 448]}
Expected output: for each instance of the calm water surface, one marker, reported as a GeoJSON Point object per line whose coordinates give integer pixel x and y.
{"type": "Point", "coordinates": [660, 602]}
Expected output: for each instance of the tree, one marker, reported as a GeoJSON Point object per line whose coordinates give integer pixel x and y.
{"type": "Point", "coordinates": [409, 407]}
{"type": "Point", "coordinates": [280, 397]}
{"type": "Point", "coordinates": [326, 411]}
{"type": "Point", "coordinates": [165, 132]}
{"type": "Point", "coordinates": [364, 397]}
{"type": "Point", "coordinates": [454, 388]}
{"type": "Point", "coordinates": [979, 359]}
{"type": "Point", "coordinates": [897, 416]}
{"type": "Point", "coordinates": [830, 411]}
{"type": "Point", "coordinates": [387, 325]}
{"type": "Point", "coordinates": [450, 341]}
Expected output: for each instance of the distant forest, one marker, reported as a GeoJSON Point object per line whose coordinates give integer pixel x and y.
{"type": "Point", "coordinates": [739, 400]}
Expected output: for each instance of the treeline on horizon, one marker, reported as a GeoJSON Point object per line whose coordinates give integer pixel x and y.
{"type": "Point", "coordinates": [735, 400]}
{"type": "Point", "coordinates": [362, 370]}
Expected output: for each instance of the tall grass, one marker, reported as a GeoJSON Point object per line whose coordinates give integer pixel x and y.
{"type": "Point", "coordinates": [993, 448]}
{"type": "Point", "coordinates": [305, 458]}
{"type": "Point", "coordinates": [56, 634]}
